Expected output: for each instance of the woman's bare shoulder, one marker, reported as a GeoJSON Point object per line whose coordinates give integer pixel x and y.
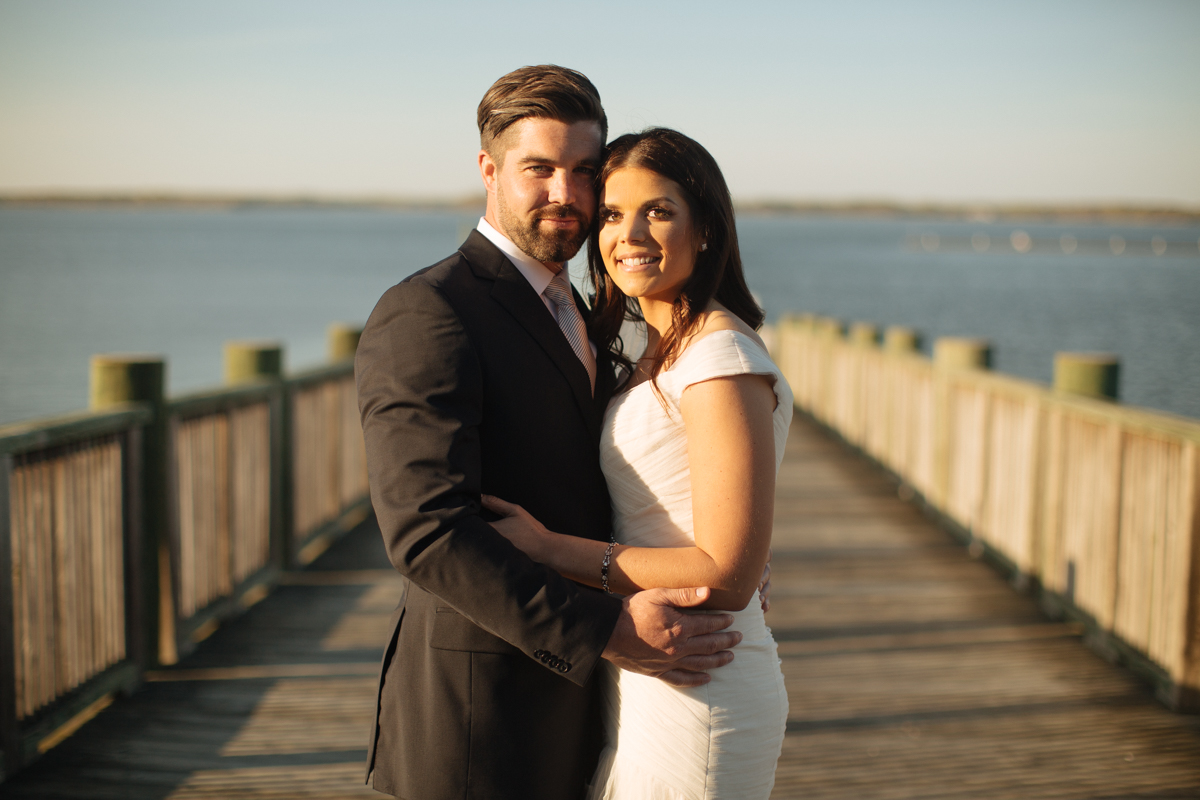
{"type": "Point", "coordinates": [718, 318]}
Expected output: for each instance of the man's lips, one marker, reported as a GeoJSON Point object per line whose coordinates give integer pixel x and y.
{"type": "Point", "coordinates": [563, 216]}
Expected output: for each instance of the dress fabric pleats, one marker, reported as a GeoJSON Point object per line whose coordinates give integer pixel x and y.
{"type": "Point", "coordinates": [721, 740]}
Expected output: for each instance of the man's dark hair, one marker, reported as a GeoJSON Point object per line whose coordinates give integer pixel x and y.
{"type": "Point", "coordinates": [545, 91]}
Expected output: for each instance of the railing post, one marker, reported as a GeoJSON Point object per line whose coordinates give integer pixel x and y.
{"type": "Point", "coordinates": [133, 517]}
{"type": "Point", "coordinates": [116, 380]}
{"type": "Point", "coordinates": [1087, 374]}
{"type": "Point", "coordinates": [864, 339]}
{"type": "Point", "coordinates": [865, 334]}
{"type": "Point", "coordinates": [343, 341]}
{"type": "Point", "coordinates": [953, 352]}
{"type": "Point", "coordinates": [9, 730]}
{"type": "Point", "coordinates": [829, 331]}
{"type": "Point", "coordinates": [255, 361]}
{"type": "Point", "coordinates": [950, 354]}
{"type": "Point", "coordinates": [898, 339]}
{"type": "Point", "coordinates": [252, 361]}
{"type": "Point", "coordinates": [1187, 694]}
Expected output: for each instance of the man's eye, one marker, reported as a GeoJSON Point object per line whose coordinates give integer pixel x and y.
{"type": "Point", "coordinates": [588, 171]}
{"type": "Point", "coordinates": [542, 169]}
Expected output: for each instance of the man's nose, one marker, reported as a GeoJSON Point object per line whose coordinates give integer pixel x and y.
{"type": "Point", "coordinates": [562, 191]}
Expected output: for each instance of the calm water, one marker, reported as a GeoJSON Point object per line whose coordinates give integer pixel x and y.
{"type": "Point", "coordinates": [179, 282]}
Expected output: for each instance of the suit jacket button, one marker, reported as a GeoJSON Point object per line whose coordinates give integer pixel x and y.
{"type": "Point", "coordinates": [539, 654]}
{"type": "Point", "coordinates": [564, 667]}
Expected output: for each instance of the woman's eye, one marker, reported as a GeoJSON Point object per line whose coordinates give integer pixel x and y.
{"type": "Point", "coordinates": [608, 216]}
{"type": "Point", "coordinates": [658, 213]}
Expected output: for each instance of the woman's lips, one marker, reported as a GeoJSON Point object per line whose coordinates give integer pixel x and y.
{"type": "Point", "coordinates": [637, 263]}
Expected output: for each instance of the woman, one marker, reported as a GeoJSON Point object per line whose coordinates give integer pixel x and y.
{"type": "Point", "coordinates": [690, 449]}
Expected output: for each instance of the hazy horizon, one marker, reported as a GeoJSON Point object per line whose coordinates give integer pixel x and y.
{"type": "Point", "coordinates": [115, 197]}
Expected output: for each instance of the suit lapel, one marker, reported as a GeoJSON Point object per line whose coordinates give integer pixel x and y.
{"type": "Point", "coordinates": [513, 292]}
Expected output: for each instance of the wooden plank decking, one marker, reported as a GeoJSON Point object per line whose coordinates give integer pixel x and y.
{"type": "Point", "coordinates": [913, 670]}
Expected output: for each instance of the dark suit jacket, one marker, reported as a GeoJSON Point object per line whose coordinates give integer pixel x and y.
{"type": "Point", "coordinates": [466, 385]}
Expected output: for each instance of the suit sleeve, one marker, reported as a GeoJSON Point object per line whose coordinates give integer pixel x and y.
{"type": "Point", "coordinates": [420, 393]}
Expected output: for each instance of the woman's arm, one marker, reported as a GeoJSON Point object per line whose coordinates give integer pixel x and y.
{"type": "Point", "coordinates": [731, 455]}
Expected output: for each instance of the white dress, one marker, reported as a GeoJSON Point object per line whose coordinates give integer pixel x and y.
{"type": "Point", "coordinates": [720, 740]}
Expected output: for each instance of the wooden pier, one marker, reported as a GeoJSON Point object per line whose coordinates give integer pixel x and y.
{"type": "Point", "coordinates": [914, 670]}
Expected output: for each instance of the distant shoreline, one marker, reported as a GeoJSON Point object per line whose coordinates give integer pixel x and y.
{"type": "Point", "coordinates": [977, 212]}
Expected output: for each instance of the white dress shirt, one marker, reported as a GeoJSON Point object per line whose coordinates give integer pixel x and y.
{"type": "Point", "coordinates": [534, 271]}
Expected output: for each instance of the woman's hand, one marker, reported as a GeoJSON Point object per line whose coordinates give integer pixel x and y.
{"type": "Point", "coordinates": [519, 527]}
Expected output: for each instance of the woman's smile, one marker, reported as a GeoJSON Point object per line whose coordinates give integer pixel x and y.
{"type": "Point", "coordinates": [636, 263]}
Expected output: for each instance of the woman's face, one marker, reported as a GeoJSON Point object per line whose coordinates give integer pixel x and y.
{"type": "Point", "coordinates": [647, 236]}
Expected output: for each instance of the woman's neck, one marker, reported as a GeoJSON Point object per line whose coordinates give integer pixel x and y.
{"type": "Point", "coordinates": [657, 314]}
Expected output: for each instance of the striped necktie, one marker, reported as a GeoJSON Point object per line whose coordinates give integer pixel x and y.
{"type": "Point", "coordinates": [571, 322]}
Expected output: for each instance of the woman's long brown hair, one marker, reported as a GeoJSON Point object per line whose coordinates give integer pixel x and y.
{"type": "Point", "coordinates": [718, 271]}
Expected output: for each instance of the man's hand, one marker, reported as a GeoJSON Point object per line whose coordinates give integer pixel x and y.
{"type": "Point", "coordinates": [654, 637]}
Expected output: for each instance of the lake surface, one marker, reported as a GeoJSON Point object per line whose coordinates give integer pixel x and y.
{"type": "Point", "coordinates": [181, 281]}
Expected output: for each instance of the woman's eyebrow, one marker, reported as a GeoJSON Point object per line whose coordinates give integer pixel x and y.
{"type": "Point", "coordinates": [654, 201]}
{"type": "Point", "coordinates": [659, 201]}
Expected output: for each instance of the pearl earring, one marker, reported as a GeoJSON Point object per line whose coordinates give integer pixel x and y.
{"type": "Point", "coordinates": [703, 246]}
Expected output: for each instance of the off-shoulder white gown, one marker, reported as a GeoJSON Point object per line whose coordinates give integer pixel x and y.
{"type": "Point", "coordinates": [720, 740]}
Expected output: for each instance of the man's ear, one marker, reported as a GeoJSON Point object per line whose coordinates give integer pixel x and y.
{"type": "Point", "coordinates": [487, 170]}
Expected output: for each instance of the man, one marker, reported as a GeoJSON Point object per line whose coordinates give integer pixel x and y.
{"type": "Point", "coordinates": [475, 376]}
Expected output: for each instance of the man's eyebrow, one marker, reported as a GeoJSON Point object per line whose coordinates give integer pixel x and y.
{"type": "Point", "coordinates": [535, 159]}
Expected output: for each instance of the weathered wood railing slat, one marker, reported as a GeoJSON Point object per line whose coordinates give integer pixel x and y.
{"type": "Point", "coordinates": [100, 580]}
{"type": "Point", "coordinates": [1100, 503]}
{"type": "Point", "coordinates": [329, 454]}
{"type": "Point", "coordinates": [69, 530]}
{"type": "Point", "coordinates": [223, 463]}
{"type": "Point", "coordinates": [67, 552]}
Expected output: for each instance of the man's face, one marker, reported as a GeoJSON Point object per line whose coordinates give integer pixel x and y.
{"type": "Point", "coordinates": [544, 189]}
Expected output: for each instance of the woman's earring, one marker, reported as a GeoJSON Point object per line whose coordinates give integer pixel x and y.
{"type": "Point", "coordinates": [703, 246]}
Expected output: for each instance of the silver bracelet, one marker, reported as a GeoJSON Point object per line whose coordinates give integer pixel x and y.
{"type": "Point", "coordinates": [608, 551]}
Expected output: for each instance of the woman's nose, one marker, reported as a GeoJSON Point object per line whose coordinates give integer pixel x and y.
{"type": "Point", "coordinates": [634, 229]}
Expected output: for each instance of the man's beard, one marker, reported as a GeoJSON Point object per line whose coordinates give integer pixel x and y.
{"type": "Point", "coordinates": [555, 245]}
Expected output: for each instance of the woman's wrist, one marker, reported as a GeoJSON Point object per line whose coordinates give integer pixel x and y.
{"type": "Point", "coordinates": [605, 566]}
{"type": "Point", "coordinates": [539, 547]}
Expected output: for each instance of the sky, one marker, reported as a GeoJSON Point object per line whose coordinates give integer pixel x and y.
{"type": "Point", "coordinates": [1054, 101]}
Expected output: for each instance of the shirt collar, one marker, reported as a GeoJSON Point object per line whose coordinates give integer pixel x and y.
{"type": "Point", "coordinates": [537, 273]}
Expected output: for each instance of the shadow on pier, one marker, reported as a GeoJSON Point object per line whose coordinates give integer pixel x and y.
{"type": "Point", "coordinates": [913, 670]}
{"type": "Point", "coordinates": [274, 704]}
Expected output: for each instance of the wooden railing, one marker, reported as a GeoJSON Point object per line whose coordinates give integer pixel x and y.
{"type": "Point", "coordinates": [225, 451]}
{"type": "Point", "coordinates": [1098, 504]}
{"type": "Point", "coordinates": [330, 473]}
{"type": "Point", "coordinates": [129, 533]}
{"type": "Point", "coordinates": [69, 547]}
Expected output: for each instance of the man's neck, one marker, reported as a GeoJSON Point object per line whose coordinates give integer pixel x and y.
{"type": "Point", "coordinates": [493, 219]}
